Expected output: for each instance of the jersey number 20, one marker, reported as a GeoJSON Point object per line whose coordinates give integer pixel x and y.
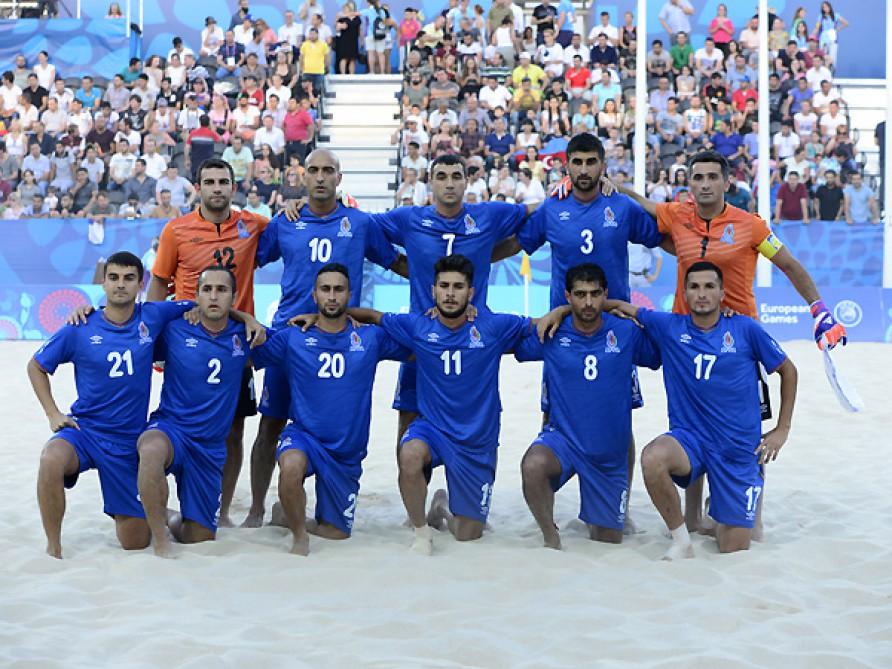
{"type": "Point", "coordinates": [332, 365]}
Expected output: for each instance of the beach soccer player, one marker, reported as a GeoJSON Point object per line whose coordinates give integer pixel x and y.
{"type": "Point", "coordinates": [588, 373]}
{"type": "Point", "coordinates": [330, 366]}
{"type": "Point", "coordinates": [715, 426]}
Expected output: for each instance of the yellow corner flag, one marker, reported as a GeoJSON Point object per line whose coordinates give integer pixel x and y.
{"type": "Point", "coordinates": [526, 271]}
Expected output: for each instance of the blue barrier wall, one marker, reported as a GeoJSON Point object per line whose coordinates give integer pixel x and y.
{"type": "Point", "coordinates": [47, 268]}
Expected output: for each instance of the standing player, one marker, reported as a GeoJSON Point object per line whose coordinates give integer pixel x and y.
{"type": "Point", "coordinates": [709, 229]}
{"type": "Point", "coordinates": [458, 398]}
{"type": "Point", "coordinates": [588, 373]}
{"type": "Point", "coordinates": [112, 357]}
{"type": "Point", "coordinates": [214, 234]}
{"type": "Point", "coordinates": [447, 227]}
{"type": "Point", "coordinates": [186, 436]}
{"type": "Point", "coordinates": [330, 366]}
{"type": "Point", "coordinates": [327, 232]}
{"type": "Point", "coordinates": [715, 426]}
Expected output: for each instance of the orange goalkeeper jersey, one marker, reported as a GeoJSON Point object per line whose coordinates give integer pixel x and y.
{"type": "Point", "coordinates": [733, 240]}
{"type": "Point", "coordinates": [190, 244]}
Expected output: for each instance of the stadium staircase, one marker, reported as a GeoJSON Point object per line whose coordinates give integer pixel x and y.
{"type": "Point", "coordinates": [866, 106]}
{"type": "Point", "coordinates": [361, 114]}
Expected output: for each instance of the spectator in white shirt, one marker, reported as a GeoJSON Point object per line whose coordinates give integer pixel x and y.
{"type": "Point", "coordinates": [832, 120]}
{"type": "Point", "coordinates": [805, 120]}
{"type": "Point", "coordinates": [528, 190]}
{"type": "Point", "coordinates": [62, 95]}
{"type": "Point", "coordinates": [786, 141]}
{"type": "Point", "coordinates": [290, 32]}
{"type": "Point", "coordinates": [576, 47]}
{"type": "Point", "coordinates": [494, 94]}
{"type": "Point", "coordinates": [156, 164]}
{"type": "Point", "coordinates": [10, 94]}
{"type": "Point", "coordinates": [822, 98]}
{"type": "Point", "coordinates": [278, 89]}
{"type": "Point", "coordinates": [604, 27]}
{"type": "Point", "coordinates": [708, 60]}
{"type": "Point", "coordinates": [550, 55]}
{"type": "Point", "coordinates": [120, 166]}
{"type": "Point", "coordinates": [749, 37]}
{"type": "Point", "coordinates": [182, 193]}
{"type": "Point", "coordinates": [817, 73]}
{"type": "Point", "coordinates": [211, 37]}
{"type": "Point", "coordinates": [412, 191]}
{"type": "Point", "coordinates": [269, 134]}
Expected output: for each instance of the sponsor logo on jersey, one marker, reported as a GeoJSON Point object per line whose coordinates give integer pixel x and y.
{"type": "Point", "coordinates": [471, 226]}
{"type": "Point", "coordinates": [285, 443]}
{"type": "Point", "coordinates": [95, 340]}
{"type": "Point", "coordinates": [685, 338]}
{"type": "Point", "coordinates": [144, 336]}
{"type": "Point", "coordinates": [848, 312]}
{"type": "Point", "coordinates": [433, 337]}
{"type": "Point", "coordinates": [565, 341]}
{"type": "Point", "coordinates": [299, 224]}
{"type": "Point", "coordinates": [564, 216]}
{"type": "Point", "coordinates": [242, 229]}
{"type": "Point", "coordinates": [344, 229]}
{"type": "Point", "coordinates": [427, 223]}
{"type": "Point", "coordinates": [356, 342]}
{"type": "Point", "coordinates": [728, 234]}
{"type": "Point", "coordinates": [476, 339]}
{"type": "Point", "coordinates": [728, 343]}
{"type": "Point", "coordinates": [612, 344]}
{"type": "Point", "coordinates": [609, 218]}
{"type": "Point", "coordinates": [191, 342]}
{"type": "Point", "coordinates": [311, 341]}
{"type": "Point", "coordinates": [237, 349]}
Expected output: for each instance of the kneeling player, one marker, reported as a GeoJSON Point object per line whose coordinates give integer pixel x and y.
{"type": "Point", "coordinates": [588, 376]}
{"type": "Point", "coordinates": [186, 436]}
{"type": "Point", "coordinates": [714, 417]}
{"type": "Point", "coordinates": [112, 356]}
{"type": "Point", "coordinates": [330, 366]}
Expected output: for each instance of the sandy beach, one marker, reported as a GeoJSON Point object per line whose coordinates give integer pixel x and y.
{"type": "Point", "coordinates": [817, 593]}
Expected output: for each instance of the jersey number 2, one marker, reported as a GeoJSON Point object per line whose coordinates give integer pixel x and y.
{"type": "Point", "coordinates": [215, 366]}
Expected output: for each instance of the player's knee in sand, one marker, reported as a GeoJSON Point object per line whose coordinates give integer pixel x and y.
{"type": "Point", "coordinates": [732, 539]}
{"type": "Point", "coordinates": [465, 529]}
{"type": "Point", "coordinates": [133, 533]}
{"type": "Point", "coordinates": [607, 535]}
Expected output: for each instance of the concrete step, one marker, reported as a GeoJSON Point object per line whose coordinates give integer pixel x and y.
{"type": "Point", "coordinates": [371, 115]}
{"type": "Point", "coordinates": [358, 160]}
{"type": "Point", "coordinates": [380, 183]}
{"type": "Point", "coordinates": [357, 135]}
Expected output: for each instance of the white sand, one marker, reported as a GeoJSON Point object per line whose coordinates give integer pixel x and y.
{"type": "Point", "coordinates": [817, 593]}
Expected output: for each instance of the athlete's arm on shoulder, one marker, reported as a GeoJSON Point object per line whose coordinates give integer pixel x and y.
{"type": "Point", "coordinates": [643, 228]}
{"type": "Point", "coordinates": [509, 218]}
{"type": "Point", "coordinates": [268, 249]}
{"type": "Point", "coordinates": [533, 234]}
{"type": "Point", "coordinates": [273, 351]}
{"type": "Point", "coordinates": [381, 251]}
{"type": "Point", "coordinates": [390, 349]}
{"type": "Point", "coordinates": [647, 353]}
{"type": "Point", "coordinates": [529, 348]}
{"type": "Point", "coordinates": [548, 325]}
{"type": "Point", "coordinates": [255, 333]}
{"type": "Point", "coordinates": [505, 249]}
{"type": "Point", "coordinates": [399, 326]}
{"type": "Point", "coordinates": [393, 223]}
{"type": "Point", "coordinates": [621, 308]}
{"type": "Point", "coordinates": [368, 316]}
{"type": "Point", "coordinates": [168, 311]}
{"type": "Point", "coordinates": [648, 205]}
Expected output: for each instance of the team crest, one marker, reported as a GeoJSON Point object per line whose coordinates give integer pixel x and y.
{"type": "Point", "coordinates": [728, 234]}
{"type": "Point", "coordinates": [144, 336]}
{"type": "Point", "coordinates": [310, 341]}
{"type": "Point", "coordinates": [96, 340]}
{"type": "Point", "coordinates": [242, 229]}
{"type": "Point", "coordinates": [237, 349]}
{"type": "Point", "coordinates": [611, 345]}
{"type": "Point", "coordinates": [471, 226]}
{"type": "Point", "coordinates": [191, 342]}
{"type": "Point", "coordinates": [356, 342]}
{"type": "Point", "coordinates": [476, 339]}
{"type": "Point", "coordinates": [564, 216]}
{"type": "Point", "coordinates": [344, 229]}
{"type": "Point", "coordinates": [728, 343]}
{"type": "Point", "coordinates": [565, 342]}
{"type": "Point", "coordinates": [609, 218]}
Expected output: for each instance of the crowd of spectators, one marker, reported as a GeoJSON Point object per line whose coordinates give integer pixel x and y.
{"type": "Point", "coordinates": [503, 90]}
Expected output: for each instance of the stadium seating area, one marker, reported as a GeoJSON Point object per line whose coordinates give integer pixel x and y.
{"type": "Point", "coordinates": [503, 89]}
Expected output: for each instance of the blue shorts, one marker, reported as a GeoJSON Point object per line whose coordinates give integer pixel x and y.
{"type": "Point", "coordinates": [116, 461]}
{"type": "Point", "coordinates": [637, 397]}
{"type": "Point", "coordinates": [197, 467]}
{"type": "Point", "coordinates": [603, 488]}
{"type": "Point", "coordinates": [337, 483]}
{"type": "Point", "coordinates": [405, 398]}
{"type": "Point", "coordinates": [735, 483]}
{"type": "Point", "coordinates": [470, 473]}
{"type": "Point", "coordinates": [275, 400]}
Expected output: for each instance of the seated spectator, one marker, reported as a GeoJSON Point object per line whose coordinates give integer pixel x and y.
{"type": "Point", "coordinates": [817, 73]}
{"type": "Point", "coordinates": [9, 171]}
{"type": "Point", "coordinates": [416, 92]}
{"type": "Point", "coordinates": [126, 133]}
{"type": "Point", "coordinates": [13, 209]}
{"type": "Point", "coordinates": [685, 86]}
{"type": "Point", "coordinates": [583, 120]}
{"type": "Point", "coordinates": [805, 121]}
{"type": "Point", "coordinates": [659, 191]}
{"type": "Point", "coordinates": [413, 132]}
{"type": "Point", "coordinates": [728, 143]}
{"type": "Point", "coordinates": [35, 94]}
{"type": "Point", "coordinates": [245, 118]}
{"type": "Point", "coordinates": [823, 97]}
{"type": "Point", "coordinates": [527, 101]}
{"type": "Point", "coordinates": [786, 141]}
{"type": "Point", "coordinates": [255, 206]}
{"type": "Point", "coordinates": [120, 166]}
{"type": "Point", "coordinates": [164, 209]}
{"type": "Point", "coordinates": [792, 200]}
{"type": "Point", "coordinates": [494, 94]}
{"type": "Point", "coordinates": [576, 48]}
{"type": "Point", "coordinates": [27, 114]}
{"type": "Point", "coordinates": [528, 190]}
{"type": "Point", "coordinates": [265, 158]}
{"type": "Point", "coordinates": [442, 113]}
{"type": "Point", "coordinates": [696, 122]}
{"type": "Point", "coordinates": [749, 37]}
{"type": "Point", "coordinates": [532, 163]}
{"type": "Point", "coordinates": [829, 200]}
{"type": "Point", "coordinates": [117, 94]}
{"type": "Point", "coordinates": [499, 143]}
{"type": "Point", "coordinates": [293, 187]}
{"type": "Point", "coordinates": [61, 168]}
{"type": "Point", "coordinates": [211, 38]}
{"type": "Point", "coordinates": [670, 124]}
{"type": "Point", "coordinates": [814, 147]}
{"type": "Point", "coordinates": [182, 192]}
{"type": "Point", "coordinates": [790, 61]}
{"type": "Point", "coordinates": [156, 164]}
{"type": "Point", "coordinates": [476, 186]}
{"type": "Point", "coordinates": [94, 165]}
{"type": "Point", "coordinates": [253, 68]}
{"type": "Point", "coordinates": [842, 146]}
{"type": "Point", "coordinates": [444, 141]}
{"type": "Point", "coordinates": [88, 96]}
{"type": "Point", "coordinates": [659, 63]}
{"type": "Point", "coordinates": [681, 53]}
{"type": "Point", "coordinates": [39, 166]}
{"type": "Point", "coordinates": [609, 117]}
{"type": "Point", "coordinates": [708, 60]}
{"type": "Point", "coordinates": [610, 32]}
{"type": "Point", "coordinates": [715, 92]}
{"type": "Point", "coordinates": [230, 57]}
{"type": "Point", "coordinates": [140, 185]}
{"type": "Point", "coordinates": [860, 202]}
{"type": "Point", "coordinates": [832, 120]}
{"type": "Point", "coordinates": [472, 140]}
{"type": "Point", "coordinates": [743, 95]}
{"type": "Point", "coordinates": [800, 164]}
{"type": "Point", "coordinates": [660, 96]}
{"type": "Point", "coordinates": [270, 135]}
{"type": "Point", "coordinates": [606, 90]}
{"type": "Point", "coordinates": [604, 54]}
{"type": "Point", "coordinates": [740, 71]}
{"type": "Point", "coordinates": [54, 119]}
{"type": "Point", "coordinates": [37, 208]}
{"type": "Point", "coordinates": [65, 207]}
{"type": "Point", "coordinates": [264, 184]}
{"type": "Point", "coordinates": [528, 70]}
{"type": "Point", "coordinates": [99, 208]}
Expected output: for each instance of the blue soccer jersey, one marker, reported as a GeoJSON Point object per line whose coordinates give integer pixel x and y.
{"type": "Point", "coordinates": [331, 377]}
{"type": "Point", "coordinates": [345, 236]}
{"type": "Point", "coordinates": [595, 232]}
{"type": "Point", "coordinates": [710, 376]}
{"type": "Point", "coordinates": [112, 365]}
{"type": "Point", "coordinates": [589, 381]}
{"type": "Point", "coordinates": [427, 237]}
{"type": "Point", "coordinates": [458, 371]}
{"type": "Point", "coordinates": [202, 377]}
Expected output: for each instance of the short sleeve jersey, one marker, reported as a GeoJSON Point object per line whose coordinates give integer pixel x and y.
{"type": "Point", "coordinates": [733, 240]}
{"type": "Point", "coordinates": [190, 244]}
{"type": "Point", "coordinates": [427, 237]}
{"type": "Point", "coordinates": [346, 236]}
{"type": "Point", "coordinates": [711, 384]}
{"type": "Point", "coordinates": [112, 365]}
{"type": "Point", "coordinates": [202, 377]}
{"type": "Point", "coordinates": [592, 232]}
{"type": "Point", "coordinates": [330, 376]}
{"type": "Point", "coordinates": [458, 371]}
{"type": "Point", "coordinates": [586, 371]}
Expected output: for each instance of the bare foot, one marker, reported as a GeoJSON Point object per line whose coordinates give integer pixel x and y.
{"type": "Point", "coordinates": [438, 516]}
{"type": "Point", "coordinates": [301, 545]}
{"type": "Point", "coordinates": [758, 532]}
{"type": "Point", "coordinates": [679, 552]}
{"type": "Point", "coordinates": [552, 539]}
{"type": "Point", "coordinates": [54, 550]}
{"type": "Point", "coordinates": [424, 541]}
{"type": "Point", "coordinates": [277, 516]}
{"type": "Point", "coordinates": [254, 519]}
{"type": "Point", "coordinates": [163, 548]}
{"type": "Point", "coordinates": [629, 526]}
{"type": "Point", "coordinates": [225, 520]}
{"type": "Point", "coordinates": [707, 526]}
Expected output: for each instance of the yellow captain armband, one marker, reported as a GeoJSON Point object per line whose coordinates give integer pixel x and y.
{"type": "Point", "coordinates": [770, 246]}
